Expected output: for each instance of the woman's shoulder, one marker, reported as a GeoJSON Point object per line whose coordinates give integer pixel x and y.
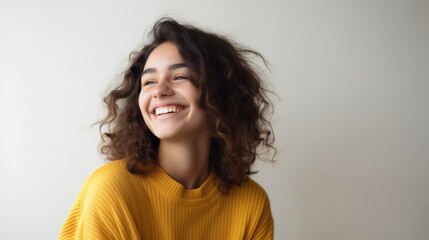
{"type": "Point", "coordinates": [250, 189]}
{"type": "Point", "coordinates": [102, 200]}
{"type": "Point", "coordinates": [251, 203]}
{"type": "Point", "coordinates": [110, 169]}
{"type": "Point", "coordinates": [111, 177]}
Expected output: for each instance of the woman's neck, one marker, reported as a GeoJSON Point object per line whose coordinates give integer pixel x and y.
{"type": "Point", "coordinates": [186, 161]}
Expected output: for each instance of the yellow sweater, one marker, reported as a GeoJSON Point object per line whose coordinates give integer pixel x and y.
{"type": "Point", "coordinates": [115, 204]}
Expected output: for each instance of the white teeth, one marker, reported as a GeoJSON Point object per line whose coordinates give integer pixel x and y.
{"type": "Point", "coordinates": [164, 110]}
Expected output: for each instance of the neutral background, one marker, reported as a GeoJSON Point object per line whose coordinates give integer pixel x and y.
{"type": "Point", "coordinates": [351, 120]}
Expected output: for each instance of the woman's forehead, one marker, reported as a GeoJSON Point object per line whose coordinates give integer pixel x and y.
{"type": "Point", "coordinates": [164, 57]}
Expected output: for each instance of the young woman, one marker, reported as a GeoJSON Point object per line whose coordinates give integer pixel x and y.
{"type": "Point", "coordinates": [185, 122]}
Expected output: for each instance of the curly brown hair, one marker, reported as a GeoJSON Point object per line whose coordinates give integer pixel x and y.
{"type": "Point", "coordinates": [231, 94]}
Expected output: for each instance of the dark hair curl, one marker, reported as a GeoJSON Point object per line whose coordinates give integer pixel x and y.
{"type": "Point", "coordinates": [231, 93]}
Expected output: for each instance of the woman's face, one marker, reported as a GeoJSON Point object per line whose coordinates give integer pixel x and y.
{"type": "Point", "coordinates": [168, 100]}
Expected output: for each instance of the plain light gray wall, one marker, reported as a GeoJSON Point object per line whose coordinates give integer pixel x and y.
{"type": "Point", "coordinates": [351, 125]}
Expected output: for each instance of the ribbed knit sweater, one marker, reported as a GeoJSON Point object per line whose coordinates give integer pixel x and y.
{"type": "Point", "coordinates": [115, 204]}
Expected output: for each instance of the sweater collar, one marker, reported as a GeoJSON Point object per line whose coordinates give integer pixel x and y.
{"type": "Point", "coordinates": [175, 190]}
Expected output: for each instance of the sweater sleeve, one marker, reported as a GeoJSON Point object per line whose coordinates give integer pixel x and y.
{"type": "Point", "coordinates": [99, 212]}
{"type": "Point", "coordinates": [265, 225]}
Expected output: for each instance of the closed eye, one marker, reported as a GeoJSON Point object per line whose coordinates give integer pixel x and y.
{"type": "Point", "coordinates": [149, 82]}
{"type": "Point", "coordinates": [180, 77]}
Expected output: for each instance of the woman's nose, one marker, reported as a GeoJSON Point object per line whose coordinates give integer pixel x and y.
{"type": "Point", "coordinates": [162, 89]}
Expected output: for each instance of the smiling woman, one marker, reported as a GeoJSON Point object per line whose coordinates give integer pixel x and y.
{"type": "Point", "coordinates": [183, 129]}
{"type": "Point", "coordinates": [169, 101]}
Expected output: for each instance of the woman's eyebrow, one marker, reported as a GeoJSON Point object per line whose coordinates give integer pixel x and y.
{"type": "Point", "coordinates": [170, 68]}
{"type": "Point", "coordinates": [177, 65]}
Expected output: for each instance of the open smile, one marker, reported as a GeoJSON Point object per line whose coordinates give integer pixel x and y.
{"type": "Point", "coordinates": [168, 109]}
